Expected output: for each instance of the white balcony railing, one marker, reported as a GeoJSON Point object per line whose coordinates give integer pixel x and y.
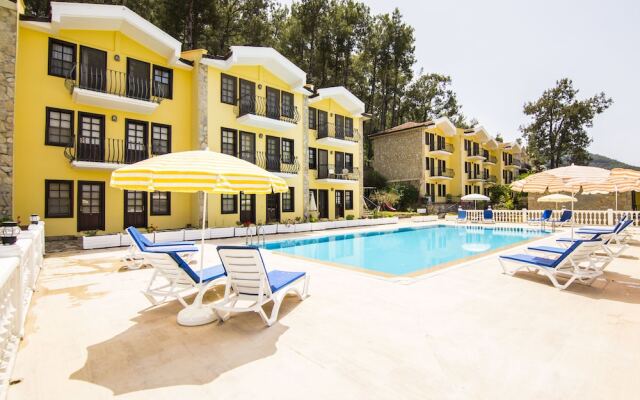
{"type": "Point", "coordinates": [581, 217]}
{"type": "Point", "coordinates": [19, 267]}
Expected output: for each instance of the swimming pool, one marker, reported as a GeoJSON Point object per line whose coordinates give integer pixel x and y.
{"type": "Point", "coordinates": [405, 250]}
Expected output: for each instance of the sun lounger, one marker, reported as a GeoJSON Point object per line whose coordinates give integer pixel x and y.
{"type": "Point", "coordinates": [546, 215]}
{"type": "Point", "coordinates": [462, 216]}
{"type": "Point", "coordinates": [575, 264]}
{"type": "Point", "coordinates": [599, 262]}
{"type": "Point", "coordinates": [250, 286]}
{"type": "Point", "coordinates": [614, 242]}
{"type": "Point", "coordinates": [624, 218]}
{"type": "Point", "coordinates": [565, 218]}
{"type": "Point", "coordinates": [179, 275]}
{"type": "Point", "coordinates": [487, 217]}
{"type": "Point", "coordinates": [140, 243]}
{"type": "Point", "coordinates": [142, 240]}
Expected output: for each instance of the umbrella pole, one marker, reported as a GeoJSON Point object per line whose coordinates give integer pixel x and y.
{"type": "Point", "coordinates": [573, 215]}
{"type": "Point", "coordinates": [196, 313]}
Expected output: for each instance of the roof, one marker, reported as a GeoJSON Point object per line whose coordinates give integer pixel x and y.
{"type": "Point", "coordinates": [267, 57]}
{"type": "Point", "coordinates": [104, 17]}
{"type": "Point", "coordinates": [342, 96]}
{"type": "Point", "coordinates": [448, 128]}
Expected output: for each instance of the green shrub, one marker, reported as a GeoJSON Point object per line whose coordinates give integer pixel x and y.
{"type": "Point", "coordinates": [350, 217]}
{"type": "Point", "coordinates": [409, 195]}
{"type": "Point", "coordinates": [373, 178]}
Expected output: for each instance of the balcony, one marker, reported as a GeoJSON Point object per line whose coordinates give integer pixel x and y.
{"type": "Point", "coordinates": [284, 167]}
{"type": "Point", "coordinates": [105, 88]}
{"type": "Point", "coordinates": [109, 154]}
{"type": "Point", "coordinates": [329, 174]}
{"type": "Point", "coordinates": [254, 111]}
{"type": "Point", "coordinates": [513, 164]}
{"type": "Point", "coordinates": [489, 160]}
{"type": "Point", "coordinates": [479, 177]}
{"type": "Point", "coordinates": [475, 155]}
{"type": "Point", "coordinates": [441, 150]}
{"type": "Point", "coordinates": [441, 174]}
{"type": "Point", "coordinates": [332, 135]}
{"type": "Point", "coordinates": [490, 178]}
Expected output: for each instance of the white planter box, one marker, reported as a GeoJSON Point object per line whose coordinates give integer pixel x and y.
{"type": "Point", "coordinates": [424, 218]}
{"type": "Point", "coordinates": [196, 234]}
{"type": "Point", "coordinates": [125, 239]}
{"type": "Point", "coordinates": [391, 220]}
{"type": "Point", "coordinates": [284, 228]}
{"type": "Point", "coordinates": [269, 229]}
{"type": "Point", "coordinates": [304, 227]}
{"type": "Point", "coordinates": [450, 217]}
{"type": "Point", "coordinates": [341, 224]}
{"type": "Point", "coordinates": [169, 236]}
{"type": "Point", "coordinates": [100, 242]}
{"type": "Point", "coordinates": [319, 226]}
{"type": "Point", "coordinates": [219, 233]}
{"type": "Point", "coordinates": [242, 231]}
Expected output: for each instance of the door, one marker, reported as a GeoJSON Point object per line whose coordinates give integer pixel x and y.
{"type": "Point", "coordinates": [247, 208]}
{"type": "Point", "coordinates": [273, 103]}
{"type": "Point", "coordinates": [273, 153]}
{"type": "Point", "coordinates": [90, 206]}
{"type": "Point", "coordinates": [339, 203]}
{"type": "Point", "coordinates": [273, 208]}
{"type": "Point", "coordinates": [136, 141]}
{"type": "Point", "coordinates": [323, 126]}
{"type": "Point", "coordinates": [323, 164]}
{"type": "Point", "coordinates": [248, 146]}
{"type": "Point", "coordinates": [339, 164]}
{"type": "Point", "coordinates": [138, 79]}
{"type": "Point", "coordinates": [93, 69]}
{"type": "Point", "coordinates": [247, 97]}
{"type": "Point", "coordinates": [323, 203]}
{"type": "Point", "coordinates": [135, 209]}
{"type": "Point", "coordinates": [90, 137]}
{"type": "Point", "coordinates": [339, 126]}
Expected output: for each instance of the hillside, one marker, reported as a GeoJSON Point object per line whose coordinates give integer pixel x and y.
{"type": "Point", "coordinates": [601, 161]}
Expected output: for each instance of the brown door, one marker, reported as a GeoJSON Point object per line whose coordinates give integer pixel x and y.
{"type": "Point", "coordinates": [273, 153]}
{"type": "Point", "coordinates": [93, 69]}
{"type": "Point", "coordinates": [247, 97]}
{"type": "Point", "coordinates": [248, 146]}
{"type": "Point", "coordinates": [136, 141]}
{"type": "Point", "coordinates": [248, 208]}
{"type": "Point", "coordinates": [90, 137]}
{"type": "Point", "coordinates": [273, 103]}
{"type": "Point", "coordinates": [339, 203]}
{"type": "Point", "coordinates": [323, 164]}
{"type": "Point", "coordinates": [135, 209]}
{"type": "Point", "coordinates": [273, 208]}
{"type": "Point", "coordinates": [138, 79]}
{"type": "Point", "coordinates": [90, 206]}
{"type": "Point", "coordinates": [323, 203]}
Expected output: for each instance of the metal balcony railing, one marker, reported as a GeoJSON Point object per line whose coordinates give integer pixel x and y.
{"type": "Point", "coordinates": [257, 105]}
{"type": "Point", "coordinates": [514, 162]}
{"type": "Point", "coordinates": [474, 176]}
{"type": "Point", "coordinates": [490, 178]}
{"type": "Point", "coordinates": [490, 159]}
{"type": "Point", "coordinates": [442, 172]}
{"type": "Point", "coordinates": [448, 147]}
{"type": "Point", "coordinates": [329, 171]}
{"type": "Point", "coordinates": [114, 82]}
{"type": "Point", "coordinates": [112, 151]}
{"type": "Point", "coordinates": [284, 164]}
{"type": "Point", "coordinates": [331, 130]}
{"type": "Point", "coordinates": [474, 153]}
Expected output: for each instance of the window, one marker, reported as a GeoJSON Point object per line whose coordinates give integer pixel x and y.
{"type": "Point", "coordinates": [287, 105]}
{"type": "Point", "coordinates": [160, 139]}
{"type": "Point", "coordinates": [90, 137]}
{"type": "Point", "coordinates": [228, 89]}
{"type": "Point", "coordinates": [160, 203]}
{"type": "Point", "coordinates": [442, 190]}
{"type": "Point", "coordinates": [339, 126]}
{"type": "Point", "coordinates": [59, 131]}
{"type": "Point", "coordinates": [91, 206]}
{"type": "Point", "coordinates": [248, 146]}
{"type": "Point", "coordinates": [62, 58]}
{"type": "Point", "coordinates": [323, 124]}
{"type": "Point", "coordinates": [348, 127]}
{"type": "Point", "coordinates": [58, 199]}
{"type": "Point", "coordinates": [288, 200]}
{"type": "Point", "coordinates": [229, 142]}
{"type": "Point", "coordinates": [273, 103]}
{"type": "Point", "coordinates": [313, 161]}
{"type": "Point", "coordinates": [229, 203]}
{"type": "Point", "coordinates": [348, 199]}
{"type": "Point", "coordinates": [313, 118]}
{"type": "Point", "coordinates": [287, 151]}
{"type": "Point", "coordinates": [348, 161]}
{"type": "Point", "coordinates": [136, 138]}
{"type": "Point", "coordinates": [162, 82]}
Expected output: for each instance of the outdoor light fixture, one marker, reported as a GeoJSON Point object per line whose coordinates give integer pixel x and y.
{"type": "Point", "coordinates": [34, 219]}
{"type": "Point", "coordinates": [114, 118]}
{"type": "Point", "coordinates": [259, 86]}
{"type": "Point", "coordinates": [116, 57]}
{"type": "Point", "coordinates": [260, 136]}
{"type": "Point", "coordinates": [9, 232]}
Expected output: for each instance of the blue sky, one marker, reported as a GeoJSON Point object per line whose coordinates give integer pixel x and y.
{"type": "Point", "coordinates": [502, 53]}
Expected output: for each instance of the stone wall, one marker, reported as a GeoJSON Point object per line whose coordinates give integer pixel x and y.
{"type": "Point", "coordinates": [398, 156]}
{"type": "Point", "coordinates": [587, 202]}
{"type": "Point", "coordinates": [8, 41]}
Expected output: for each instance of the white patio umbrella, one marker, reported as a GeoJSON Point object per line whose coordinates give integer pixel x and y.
{"type": "Point", "coordinates": [620, 180]}
{"type": "Point", "coordinates": [313, 207]}
{"type": "Point", "coordinates": [193, 172]}
{"type": "Point", "coordinates": [475, 197]}
{"type": "Point", "coordinates": [557, 198]}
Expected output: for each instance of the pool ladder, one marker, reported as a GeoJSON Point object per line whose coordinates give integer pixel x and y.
{"type": "Point", "coordinates": [248, 239]}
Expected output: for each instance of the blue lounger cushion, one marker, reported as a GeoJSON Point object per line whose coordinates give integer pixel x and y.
{"type": "Point", "coordinates": [279, 279]}
{"type": "Point", "coordinates": [529, 259]}
{"type": "Point", "coordinates": [549, 249]}
{"type": "Point", "coordinates": [208, 274]}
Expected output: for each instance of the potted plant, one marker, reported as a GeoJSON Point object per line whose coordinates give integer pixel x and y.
{"type": "Point", "coordinates": [91, 240]}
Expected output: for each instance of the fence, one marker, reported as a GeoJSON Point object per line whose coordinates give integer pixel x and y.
{"type": "Point", "coordinates": [19, 268]}
{"type": "Point", "coordinates": [580, 217]}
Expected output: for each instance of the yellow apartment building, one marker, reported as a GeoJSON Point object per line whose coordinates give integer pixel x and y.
{"type": "Point", "coordinates": [444, 162]}
{"type": "Point", "coordinates": [99, 87]}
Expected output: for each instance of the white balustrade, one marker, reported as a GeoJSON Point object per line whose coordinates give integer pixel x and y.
{"type": "Point", "coordinates": [20, 265]}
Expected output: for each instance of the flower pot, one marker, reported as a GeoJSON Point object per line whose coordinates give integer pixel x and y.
{"type": "Point", "coordinates": [169, 236]}
{"type": "Point", "coordinates": [196, 234]}
{"type": "Point", "coordinates": [244, 231]}
{"type": "Point", "coordinates": [341, 224]}
{"type": "Point", "coordinates": [303, 227]}
{"type": "Point", "coordinates": [269, 229]}
{"type": "Point", "coordinates": [284, 228]}
{"type": "Point", "coordinates": [219, 233]}
{"type": "Point", "coordinates": [100, 241]}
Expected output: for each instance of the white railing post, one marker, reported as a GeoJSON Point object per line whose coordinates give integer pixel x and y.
{"type": "Point", "coordinates": [524, 215]}
{"type": "Point", "coordinates": [609, 220]}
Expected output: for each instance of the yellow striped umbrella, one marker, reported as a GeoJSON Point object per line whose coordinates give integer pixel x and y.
{"type": "Point", "coordinates": [191, 172]}
{"type": "Point", "coordinates": [197, 171]}
{"type": "Point", "coordinates": [620, 180]}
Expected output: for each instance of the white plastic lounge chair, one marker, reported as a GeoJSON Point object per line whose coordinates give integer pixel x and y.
{"type": "Point", "coordinates": [250, 286]}
{"type": "Point", "coordinates": [599, 262]}
{"type": "Point", "coordinates": [140, 243]}
{"type": "Point", "coordinates": [614, 242]}
{"type": "Point", "coordinates": [487, 217]}
{"type": "Point", "coordinates": [462, 216]}
{"type": "Point", "coordinates": [546, 214]}
{"type": "Point", "coordinates": [564, 219]}
{"type": "Point", "coordinates": [605, 228]}
{"type": "Point", "coordinates": [179, 275]}
{"type": "Point", "coordinates": [575, 264]}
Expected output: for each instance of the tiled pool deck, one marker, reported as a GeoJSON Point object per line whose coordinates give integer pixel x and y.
{"type": "Point", "coordinates": [465, 332]}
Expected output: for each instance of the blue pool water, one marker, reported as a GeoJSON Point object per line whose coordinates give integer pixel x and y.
{"type": "Point", "coordinates": [404, 250]}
